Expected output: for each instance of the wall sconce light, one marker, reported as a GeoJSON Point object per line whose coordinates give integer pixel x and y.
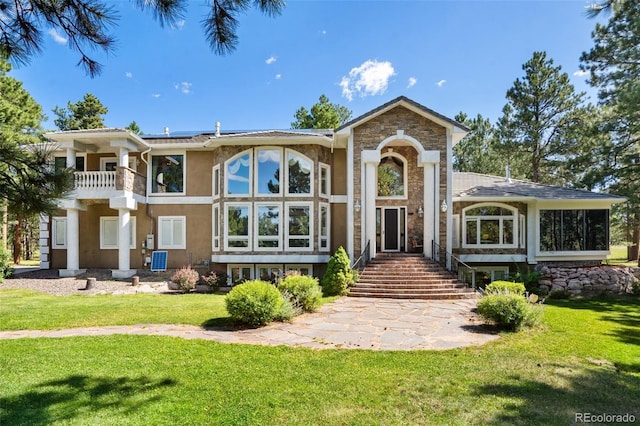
{"type": "Point", "coordinates": [443, 206]}
{"type": "Point", "coordinates": [356, 207]}
{"type": "Point", "coordinates": [420, 212]}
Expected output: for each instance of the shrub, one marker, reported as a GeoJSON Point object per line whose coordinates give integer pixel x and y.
{"type": "Point", "coordinates": [530, 279]}
{"type": "Point", "coordinates": [339, 275]}
{"type": "Point", "coordinates": [5, 259]}
{"type": "Point", "coordinates": [213, 280]}
{"type": "Point", "coordinates": [186, 278]}
{"type": "Point", "coordinates": [288, 309]}
{"type": "Point", "coordinates": [499, 287]}
{"type": "Point", "coordinates": [254, 303]}
{"type": "Point", "coordinates": [305, 291]}
{"type": "Point", "coordinates": [510, 311]}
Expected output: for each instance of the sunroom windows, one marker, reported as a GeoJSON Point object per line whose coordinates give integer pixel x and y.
{"type": "Point", "coordinates": [489, 225]}
{"type": "Point", "coordinates": [574, 230]}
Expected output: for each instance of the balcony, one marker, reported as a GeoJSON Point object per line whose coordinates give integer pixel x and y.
{"type": "Point", "coordinates": [106, 185]}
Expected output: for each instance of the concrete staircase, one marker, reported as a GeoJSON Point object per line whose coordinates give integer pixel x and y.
{"type": "Point", "coordinates": [408, 276]}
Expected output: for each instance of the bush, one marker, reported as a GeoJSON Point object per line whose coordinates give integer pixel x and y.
{"type": "Point", "coordinates": [510, 311]}
{"type": "Point", "coordinates": [5, 259]}
{"type": "Point", "coordinates": [530, 279]}
{"type": "Point", "coordinates": [339, 275]}
{"type": "Point", "coordinates": [254, 303]}
{"type": "Point", "coordinates": [288, 309]}
{"type": "Point", "coordinates": [305, 291]}
{"type": "Point", "coordinates": [186, 278]}
{"type": "Point", "coordinates": [213, 280]}
{"type": "Point", "coordinates": [500, 287]}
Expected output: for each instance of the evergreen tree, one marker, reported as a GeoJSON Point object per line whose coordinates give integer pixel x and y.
{"type": "Point", "coordinates": [614, 65]}
{"type": "Point", "coordinates": [87, 24]}
{"type": "Point", "coordinates": [323, 115]}
{"type": "Point", "coordinates": [542, 112]}
{"type": "Point", "coordinates": [85, 114]}
{"type": "Point", "coordinates": [28, 183]}
{"type": "Point", "coordinates": [477, 151]}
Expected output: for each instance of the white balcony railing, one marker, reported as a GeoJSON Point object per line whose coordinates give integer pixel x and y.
{"type": "Point", "coordinates": [95, 180]}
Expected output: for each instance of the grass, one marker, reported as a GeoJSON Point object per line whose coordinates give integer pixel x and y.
{"type": "Point", "coordinates": [619, 257]}
{"type": "Point", "coordinates": [584, 358]}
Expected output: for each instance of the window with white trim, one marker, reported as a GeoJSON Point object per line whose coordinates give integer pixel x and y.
{"type": "Point", "coordinates": [299, 174]}
{"type": "Point", "coordinates": [238, 231]}
{"type": "Point", "coordinates": [172, 232]}
{"type": "Point", "coordinates": [323, 226]}
{"type": "Point", "coordinates": [299, 226]}
{"type": "Point", "coordinates": [302, 269]}
{"type": "Point", "coordinates": [215, 182]}
{"type": "Point", "coordinates": [59, 233]}
{"type": "Point", "coordinates": [60, 163]}
{"type": "Point", "coordinates": [238, 274]}
{"type": "Point", "coordinates": [268, 229]}
{"type": "Point", "coordinates": [324, 182]}
{"type": "Point", "coordinates": [269, 273]}
{"type": "Point", "coordinates": [110, 233]}
{"type": "Point", "coordinates": [237, 174]}
{"type": "Point", "coordinates": [168, 174]}
{"type": "Point", "coordinates": [215, 226]}
{"type": "Point", "coordinates": [392, 176]}
{"type": "Point", "coordinates": [268, 171]}
{"type": "Point", "coordinates": [489, 225]}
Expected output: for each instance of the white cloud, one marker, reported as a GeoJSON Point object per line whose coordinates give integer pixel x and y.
{"type": "Point", "coordinates": [178, 25]}
{"type": "Point", "coordinates": [278, 76]}
{"type": "Point", "coordinates": [370, 78]}
{"type": "Point", "coordinates": [155, 95]}
{"type": "Point", "coordinates": [271, 60]}
{"type": "Point", "coordinates": [184, 87]}
{"type": "Point", "coordinates": [128, 74]}
{"type": "Point", "coordinates": [412, 82]}
{"type": "Point", "coordinates": [57, 37]}
{"type": "Point", "coordinates": [581, 73]}
{"type": "Point", "coordinates": [441, 83]}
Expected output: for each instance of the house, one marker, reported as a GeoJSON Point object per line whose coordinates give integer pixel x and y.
{"type": "Point", "coordinates": [255, 204]}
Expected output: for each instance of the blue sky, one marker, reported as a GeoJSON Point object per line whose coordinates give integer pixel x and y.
{"type": "Point", "coordinates": [450, 56]}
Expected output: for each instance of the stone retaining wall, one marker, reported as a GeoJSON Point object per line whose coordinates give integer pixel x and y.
{"type": "Point", "coordinates": [589, 280]}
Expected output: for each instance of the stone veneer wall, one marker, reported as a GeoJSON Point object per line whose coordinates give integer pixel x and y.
{"type": "Point", "coordinates": [589, 279]}
{"type": "Point", "coordinates": [433, 138]}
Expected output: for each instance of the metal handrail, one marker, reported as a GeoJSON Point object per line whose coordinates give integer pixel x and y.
{"type": "Point", "coordinates": [363, 260]}
{"type": "Point", "coordinates": [456, 263]}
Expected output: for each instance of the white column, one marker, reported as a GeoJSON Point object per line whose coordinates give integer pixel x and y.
{"type": "Point", "coordinates": [429, 201]}
{"type": "Point", "coordinates": [370, 161]}
{"type": "Point", "coordinates": [369, 206]}
{"type": "Point", "coordinates": [73, 245]}
{"type": "Point", "coordinates": [124, 255]}
{"type": "Point", "coordinates": [436, 204]}
{"type": "Point", "coordinates": [123, 157]}
{"type": "Point", "coordinates": [71, 158]}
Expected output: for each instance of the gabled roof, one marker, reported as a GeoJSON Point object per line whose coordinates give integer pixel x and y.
{"type": "Point", "coordinates": [479, 186]}
{"type": "Point", "coordinates": [410, 104]}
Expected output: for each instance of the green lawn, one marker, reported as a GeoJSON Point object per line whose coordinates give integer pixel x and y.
{"type": "Point", "coordinates": [619, 256]}
{"type": "Point", "coordinates": [584, 358]}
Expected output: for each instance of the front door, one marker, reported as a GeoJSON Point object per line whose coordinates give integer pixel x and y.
{"type": "Point", "coordinates": [393, 228]}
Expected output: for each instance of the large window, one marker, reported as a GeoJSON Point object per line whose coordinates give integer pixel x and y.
{"type": "Point", "coordinates": [574, 230]}
{"type": "Point", "coordinates": [489, 226]}
{"type": "Point", "coordinates": [167, 174]}
{"type": "Point", "coordinates": [238, 230]}
{"type": "Point", "coordinates": [268, 167]}
{"type": "Point", "coordinates": [109, 232]}
{"type": "Point", "coordinates": [238, 174]}
{"type": "Point", "coordinates": [268, 227]}
{"type": "Point", "coordinates": [172, 232]}
{"type": "Point", "coordinates": [299, 227]}
{"type": "Point", "coordinates": [392, 176]}
{"type": "Point", "coordinates": [299, 173]}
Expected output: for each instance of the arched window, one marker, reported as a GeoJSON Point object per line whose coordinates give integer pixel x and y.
{"type": "Point", "coordinates": [490, 225]}
{"type": "Point", "coordinates": [237, 171]}
{"type": "Point", "coordinates": [392, 176]}
{"type": "Point", "coordinates": [299, 174]}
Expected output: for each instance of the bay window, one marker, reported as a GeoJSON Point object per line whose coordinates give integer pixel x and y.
{"type": "Point", "coordinates": [299, 226]}
{"type": "Point", "coordinates": [268, 227]}
{"type": "Point", "coordinates": [238, 230]}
